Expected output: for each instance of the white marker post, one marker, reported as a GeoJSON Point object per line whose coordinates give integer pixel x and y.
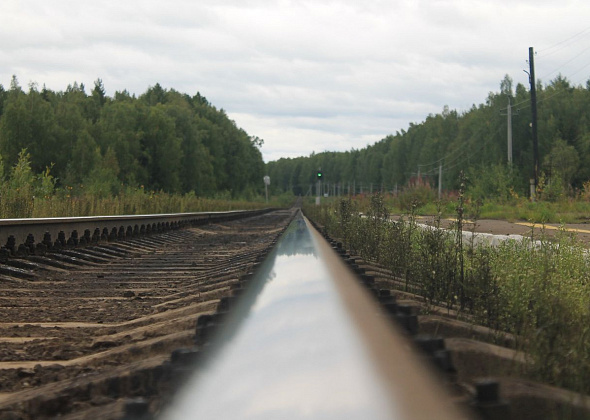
{"type": "Point", "coordinates": [266, 184]}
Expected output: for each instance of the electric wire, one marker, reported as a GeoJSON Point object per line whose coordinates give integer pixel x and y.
{"type": "Point", "coordinates": [564, 64]}
{"type": "Point", "coordinates": [456, 153]}
{"type": "Point", "coordinates": [458, 157]}
{"type": "Point", "coordinates": [565, 41]}
{"type": "Point", "coordinates": [527, 102]}
{"type": "Point", "coordinates": [472, 154]}
{"type": "Point", "coordinates": [580, 69]}
{"type": "Point", "coordinates": [476, 151]}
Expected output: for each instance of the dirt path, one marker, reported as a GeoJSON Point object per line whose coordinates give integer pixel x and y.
{"type": "Point", "coordinates": [502, 227]}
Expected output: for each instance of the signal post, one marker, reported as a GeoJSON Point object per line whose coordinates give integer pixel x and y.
{"type": "Point", "coordinates": [319, 176]}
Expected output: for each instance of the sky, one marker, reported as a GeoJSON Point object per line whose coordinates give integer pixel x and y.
{"type": "Point", "coordinates": [304, 76]}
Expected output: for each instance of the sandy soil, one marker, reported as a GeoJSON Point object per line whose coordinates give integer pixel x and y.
{"type": "Point", "coordinates": [501, 227]}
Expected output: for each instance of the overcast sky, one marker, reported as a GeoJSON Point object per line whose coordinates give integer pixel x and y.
{"type": "Point", "coordinates": [305, 76]}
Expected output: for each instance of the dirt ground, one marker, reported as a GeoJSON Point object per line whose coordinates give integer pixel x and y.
{"type": "Point", "coordinates": [501, 227]}
{"type": "Point", "coordinates": [120, 304]}
{"type": "Point", "coordinates": [128, 303]}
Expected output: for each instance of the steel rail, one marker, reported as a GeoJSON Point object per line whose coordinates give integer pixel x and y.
{"type": "Point", "coordinates": [305, 340]}
{"type": "Point", "coordinates": [37, 235]}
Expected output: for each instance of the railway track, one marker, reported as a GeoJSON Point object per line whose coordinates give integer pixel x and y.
{"type": "Point", "coordinates": [79, 326]}
{"type": "Point", "coordinates": [113, 328]}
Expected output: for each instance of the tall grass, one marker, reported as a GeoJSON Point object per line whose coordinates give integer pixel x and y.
{"type": "Point", "coordinates": [24, 194]}
{"type": "Point", "coordinates": [131, 201]}
{"type": "Point", "coordinates": [539, 291]}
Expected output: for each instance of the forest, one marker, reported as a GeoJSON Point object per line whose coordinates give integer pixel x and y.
{"type": "Point", "coordinates": [92, 144]}
{"type": "Point", "coordinates": [474, 141]}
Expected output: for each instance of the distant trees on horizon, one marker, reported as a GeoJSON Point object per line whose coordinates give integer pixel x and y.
{"type": "Point", "coordinates": [474, 141]}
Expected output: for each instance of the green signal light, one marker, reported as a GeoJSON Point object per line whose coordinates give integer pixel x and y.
{"type": "Point", "coordinates": [319, 174]}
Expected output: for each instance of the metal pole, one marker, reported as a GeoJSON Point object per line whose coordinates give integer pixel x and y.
{"type": "Point", "coordinates": [318, 192]}
{"type": "Point", "coordinates": [534, 112]}
{"type": "Point", "coordinates": [440, 181]}
{"type": "Point", "coordinates": [509, 133]}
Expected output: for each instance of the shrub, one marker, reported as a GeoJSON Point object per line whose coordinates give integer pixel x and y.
{"type": "Point", "coordinates": [536, 290]}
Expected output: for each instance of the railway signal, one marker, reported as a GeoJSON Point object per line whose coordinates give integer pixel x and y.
{"type": "Point", "coordinates": [319, 176]}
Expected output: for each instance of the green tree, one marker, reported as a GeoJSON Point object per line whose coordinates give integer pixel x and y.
{"type": "Point", "coordinates": [562, 162]}
{"type": "Point", "coordinates": [162, 150]}
{"type": "Point", "coordinates": [102, 181]}
{"type": "Point", "coordinates": [3, 95]}
{"type": "Point", "coordinates": [15, 125]}
{"type": "Point", "coordinates": [120, 129]}
{"type": "Point", "coordinates": [96, 101]}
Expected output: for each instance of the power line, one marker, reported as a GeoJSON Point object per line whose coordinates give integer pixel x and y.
{"type": "Point", "coordinates": [472, 154]}
{"type": "Point", "coordinates": [527, 101]}
{"type": "Point", "coordinates": [456, 153]}
{"type": "Point", "coordinates": [567, 62]}
{"type": "Point", "coordinates": [475, 152]}
{"type": "Point", "coordinates": [580, 69]}
{"type": "Point", "coordinates": [561, 43]}
{"type": "Point", "coordinates": [543, 98]}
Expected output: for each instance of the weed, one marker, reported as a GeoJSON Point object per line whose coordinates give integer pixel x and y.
{"type": "Point", "coordinates": [535, 288]}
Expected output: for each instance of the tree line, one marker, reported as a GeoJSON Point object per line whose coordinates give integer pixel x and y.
{"type": "Point", "coordinates": [474, 141]}
{"type": "Point", "coordinates": [162, 140]}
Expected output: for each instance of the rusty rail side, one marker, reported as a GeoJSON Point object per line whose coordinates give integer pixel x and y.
{"type": "Point", "coordinates": [20, 237]}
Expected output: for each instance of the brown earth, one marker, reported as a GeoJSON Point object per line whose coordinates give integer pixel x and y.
{"type": "Point", "coordinates": [114, 306]}
{"type": "Point", "coordinates": [70, 335]}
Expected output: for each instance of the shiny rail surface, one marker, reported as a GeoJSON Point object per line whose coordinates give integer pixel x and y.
{"type": "Point", "coordinates": [306, 341]}
{"type": "Point", "coordinates": [20, 237]}
{"type": "Point", "coordinates": [86, 331]}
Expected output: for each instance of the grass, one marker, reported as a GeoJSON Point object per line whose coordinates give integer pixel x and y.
{"type": "Point", "coordinates": [571, 211]}
{"type": "Point", "coordinates": [131, 201]}
{"type": "Point", "coordinates": [538, 292]}
{"type": "Point", "coordinates": [24, 194]}
{"type": "Point", "coordinates": [516, 209]}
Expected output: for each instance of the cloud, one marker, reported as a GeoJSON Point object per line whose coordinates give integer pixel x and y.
{"type": "Point", "coordinates": [304, 75]}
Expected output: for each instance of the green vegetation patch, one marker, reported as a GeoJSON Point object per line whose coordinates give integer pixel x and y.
{"type": "Point", "coordinates": [538, 291]}
{"type": "Point", "coordinates": [97, 145]}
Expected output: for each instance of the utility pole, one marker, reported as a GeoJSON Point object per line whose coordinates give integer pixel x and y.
{"type": "Point", "coordinates": [440, 180]}
{"type": "Point", "coordinates": [509, 129]}
{"type": "Point", "coordinates": [509, 132]}
{"type": "Point", "coordinates": [534, 121]}
{"type": "Point", "coordinates": [319, 175]}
